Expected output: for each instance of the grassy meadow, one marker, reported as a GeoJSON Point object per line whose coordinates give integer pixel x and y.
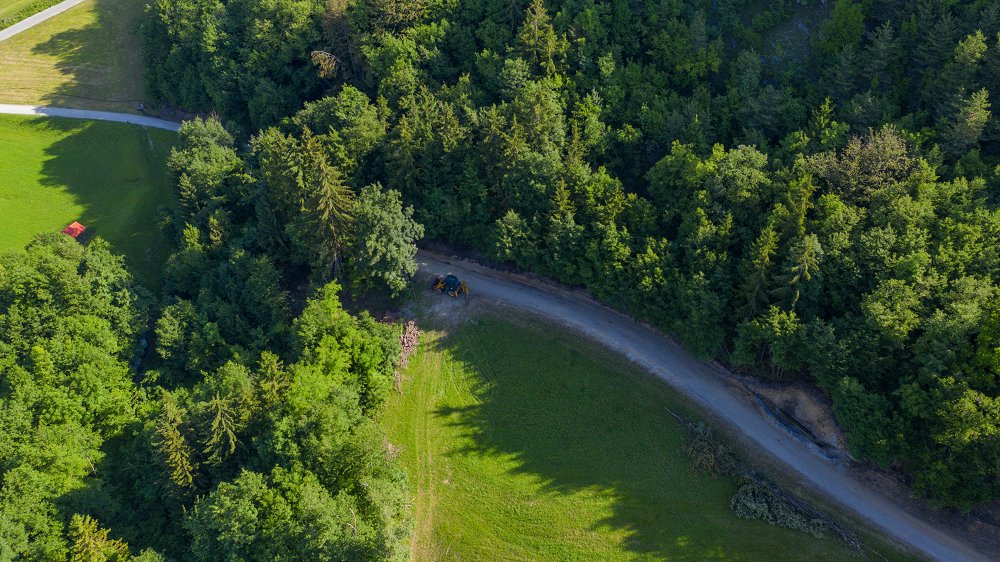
{"type": "Point", "coordinates": [524, 442]}
{"type": "Point", "coordinates": [111, 177]}
{"type": "Point", "coordinates": [12, 8]}
{"type": "Point", "coordinates": [87, 57]}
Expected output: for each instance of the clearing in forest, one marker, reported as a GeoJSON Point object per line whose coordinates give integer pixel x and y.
{"type": "Point", "coordinates": [111, 177]}
{"type": "Point", "coordinates": [524, 442]}
{"type": "Point", "coordinates": [87, 57]}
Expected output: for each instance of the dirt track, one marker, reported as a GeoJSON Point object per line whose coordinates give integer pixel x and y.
{"type": "Point", "coordinates": [706, 384]}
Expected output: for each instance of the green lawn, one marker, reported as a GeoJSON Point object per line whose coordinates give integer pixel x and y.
{"type": "Point", "coordinates": [109, 176]}
{"type": "Point", "coordinates": [9, 8]}
{"type": "Point", "coordinates": [526, 443]}
{"type": "Point", "coordinates": [86, 57]}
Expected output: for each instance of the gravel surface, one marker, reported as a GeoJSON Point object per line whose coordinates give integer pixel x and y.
{"type": "Point", "coordinates": [141, 120]}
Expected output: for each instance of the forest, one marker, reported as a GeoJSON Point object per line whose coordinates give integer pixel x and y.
{"type": "Point", "coordinates": [801, 189]}
{"type": "Point", "coordinates": [248, 430]}
{"type": "Point", "coordinates": [804, 190]}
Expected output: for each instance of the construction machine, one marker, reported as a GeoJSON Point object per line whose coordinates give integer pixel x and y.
{"type": "Point", "coordinates": [451, 285]}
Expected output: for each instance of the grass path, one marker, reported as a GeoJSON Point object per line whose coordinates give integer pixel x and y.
{"type": "Point", "coordinates": [524, 442]}
{"type": "Point", "coordinates": [110, 176]}
{"type": "Point", "coordinates": [87, 57]}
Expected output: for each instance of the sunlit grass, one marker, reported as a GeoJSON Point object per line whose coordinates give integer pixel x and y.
{"type": "Point", "coordinates": [87, 57]}
{"type": "Point", "coordinates": [524, 442]}
{"type": "Point", "coordinates": [111, 177]}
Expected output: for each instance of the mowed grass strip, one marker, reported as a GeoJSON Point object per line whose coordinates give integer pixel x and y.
{"type": "Point", "coordinates": [524, 442]}
{"type": "Point", "coordinates": [17, 10]}
{"type": "Point", "coordinates": [111, 177]}
{"type": "Point", "coordinates": [87, 57]}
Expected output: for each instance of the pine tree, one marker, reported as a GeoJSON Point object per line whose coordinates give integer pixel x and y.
{"type": "Point", "coordinates": [222, 432]}
{"type": "Point", "coordinates": [802, 266]}
{"type": "Point", "coordinates": [883, 56]}
{"type": "Point", "coordinates": [964, 122]}
{"type": "Point", "coordinates": [91, 543]}
{"type": "Point", "coordinates": [329, 202]}
{"type": "Point", "coordinates": [538, 41]}
{"type": "Point", "coordinates": [177, 455]}
{"type": "Point", "coordinates": [272, 380]}
{"type": "Point", "coordinates": [757, 271]}
{"type": "Point", "coordinates": [395, 14]}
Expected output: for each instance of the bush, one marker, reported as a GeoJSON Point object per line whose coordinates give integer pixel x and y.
{"type": "Point", "coordinates": [707, 453]}
{"type": "Point", "coordinates": [755, 500]}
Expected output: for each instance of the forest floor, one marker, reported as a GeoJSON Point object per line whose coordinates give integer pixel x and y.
{"type": "Point", "coordinates": [524, 441]}
{"type": "Point", "coordinates": [87, 57]}
{"type": "Point", "coordinates": [111, 177]}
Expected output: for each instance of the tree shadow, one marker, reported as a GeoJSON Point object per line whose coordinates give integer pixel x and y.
{"type": "Point", "coordinates": [577, 421]}
{"type": "Point", "coordinates": [116, 173]}
{"type": "Point", "coordinates": [100, 60]}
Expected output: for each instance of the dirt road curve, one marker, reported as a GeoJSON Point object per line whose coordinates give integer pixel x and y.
{"type": "Point", "coordinates": [140, 120]}
{"type": "Point", "coordinates": [705, 384]}
{"type": "Point", "coordinates": [32, 21]}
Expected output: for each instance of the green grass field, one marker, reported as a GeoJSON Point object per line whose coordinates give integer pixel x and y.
{"type": "Point", "coordinates": [526, 443]}
{"type": "Point", "coordinates": [87, 57]}
{"type": "Point", "coordinates": [111, 177]}
{"type": "Point", "coordinates": [9, 8]}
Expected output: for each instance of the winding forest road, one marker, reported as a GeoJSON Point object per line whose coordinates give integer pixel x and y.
{"type": "Point", "coordinates": [141, 120]}
{"type": "Point", "coordinates": [706, 384]}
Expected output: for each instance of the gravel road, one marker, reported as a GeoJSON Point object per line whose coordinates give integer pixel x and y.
{"type": "Point", "coordinates": [140, 120]}
{"type": "Point", "coordinates": [705, 384]}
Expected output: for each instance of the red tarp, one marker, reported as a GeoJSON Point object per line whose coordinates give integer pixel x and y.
{"type": "Point", "coordinates": [74, 230]}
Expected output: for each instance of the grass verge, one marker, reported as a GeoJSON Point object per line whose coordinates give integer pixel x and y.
{"type": "Point", "coordinates": [13, 11]}
{"type": "Point", "coordinates": [87, 57]}
{"type": "Point", "coordinates": [111, 177]}
{"type": "Point", "coordinates": [524, 442]}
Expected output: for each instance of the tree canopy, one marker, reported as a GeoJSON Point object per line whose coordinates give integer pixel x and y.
{"type": "Point", "coordinates": [802, 189]}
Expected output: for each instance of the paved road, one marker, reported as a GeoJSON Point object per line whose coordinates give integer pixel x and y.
{"type": "Point", "coordinates": [141, 120]}
{"type": "Point", "coordinates": [705, 384]}
{"type": "Point", "coordinates": [32, 21]}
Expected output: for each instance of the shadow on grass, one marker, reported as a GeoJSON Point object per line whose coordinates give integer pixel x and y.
{"type": "Point", "coordinates": [117, 174]}
{"type": "Point", "coordinates": [575, 433]}
{"type": "Point", "coordinates": [577, 420]}
{"type": "Point", "coordinates": [100, 60]}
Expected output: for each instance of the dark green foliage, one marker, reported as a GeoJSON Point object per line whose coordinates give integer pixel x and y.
{"type": "Point", "coordinates": [382, 246]}
{"type": "Point", "coordinates": [806, 191]}
{"type": "Point", "coordinates": [287, 516]}
{"type": "Point", "coordinates": [247, 59]}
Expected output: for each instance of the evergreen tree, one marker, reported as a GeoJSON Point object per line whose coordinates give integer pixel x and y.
{"type": "Point", "coordinates": [757, 274]}
{"type": "Point", "coordinates": [964, 123]}
{"type": "Point", "coordinates": [538, 41]}
{"type": "Point", "coordinates": [222, 440]}
{"type": "Point", "coordinates": [176, 454]}
{"type": "Point", "coordinates": [90, 543]}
